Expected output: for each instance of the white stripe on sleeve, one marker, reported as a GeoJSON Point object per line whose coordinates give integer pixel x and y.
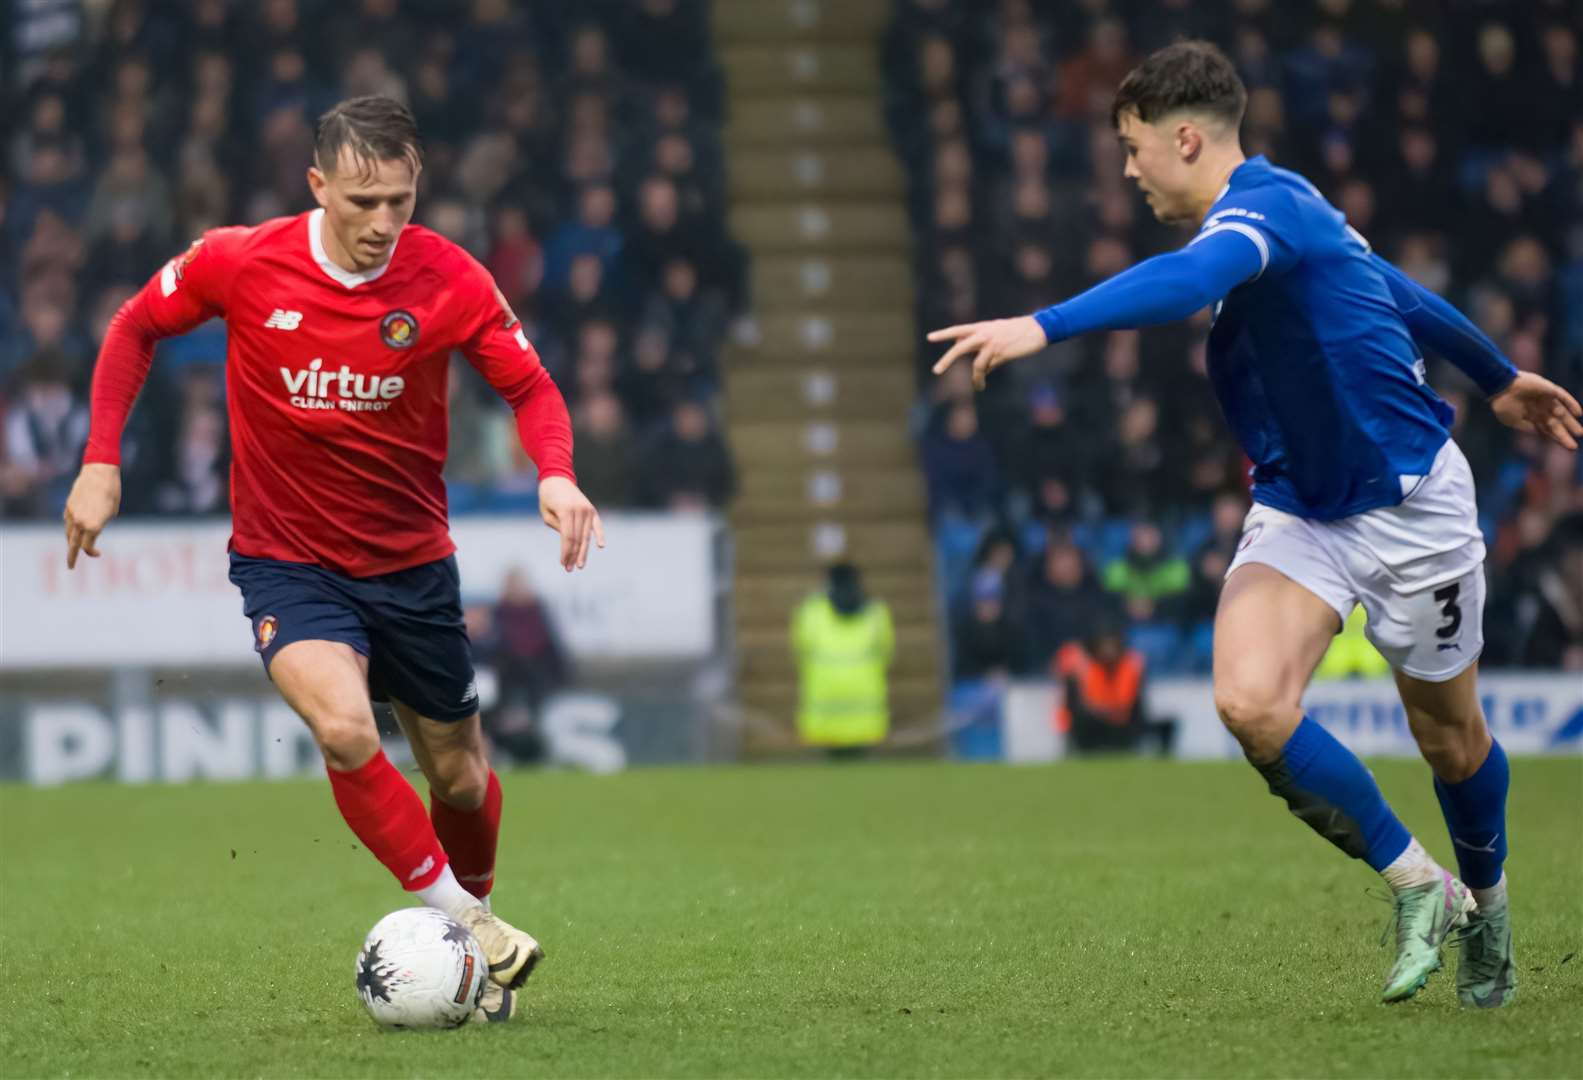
{"type": "Point", "coordinates": [1246, 230]}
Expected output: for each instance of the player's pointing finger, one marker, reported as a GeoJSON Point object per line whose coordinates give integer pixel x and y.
{"type": "Point", "coordinates": [950, 333]}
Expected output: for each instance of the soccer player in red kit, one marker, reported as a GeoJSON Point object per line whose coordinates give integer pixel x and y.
{"type": "Point", "coordinates": [341, 323]}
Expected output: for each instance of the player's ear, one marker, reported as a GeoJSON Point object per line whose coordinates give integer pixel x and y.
{"type": "Point", "coordinates": [1189, 141]}
{"type": "Point", "coordinates": [318, 183]}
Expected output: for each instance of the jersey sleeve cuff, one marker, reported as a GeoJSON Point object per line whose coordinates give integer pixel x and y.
{"type": "Point", "coordinates": [1052, 322]}
{"type": "Point", "coordinates": [1501, 382]}
{"type": "Point", "coordinates": [94, 455]}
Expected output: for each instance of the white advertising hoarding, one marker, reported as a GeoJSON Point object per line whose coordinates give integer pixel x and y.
{"type": "Point", "coordinates": [1529, 712]}
{"type": "Point", "coordinates": [160, 595]}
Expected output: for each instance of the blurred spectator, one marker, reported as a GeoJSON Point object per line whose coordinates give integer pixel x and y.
{"type": "Point", "coordinates": [687, 467]}
{"type": "Point", "coordinates": [988, 642]}
{"type": "Point", "coordinates": [1147, 577]}
{"type": "Point", "coordinates": [605, 451]}
{"type": "Point", "coordinates": [1213, 557]}
{"type": "Point", "coordinates": [527, 653]}
{"type": "Point", "coordinates": [1552, 610]}
{"type": "Point", "coordinates": [1351, 654]}
{"type": "Point", "coordinates": [1063, 600]}
{"type": "Point", "coordinates": [959, 465]}
{"type": "Point", "coordinates": [45, 430]}
{"type": "Point", "coordinates": [1102, 695]}
{"type": "Point", "coordinates": [844, 642]}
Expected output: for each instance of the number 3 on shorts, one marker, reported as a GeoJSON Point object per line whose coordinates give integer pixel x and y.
{"type": "Point", "coordinates": [1447, 598]}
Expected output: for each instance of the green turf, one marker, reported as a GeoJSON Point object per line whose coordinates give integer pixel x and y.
{"type": "Point", "coordinates": [1106, 919]}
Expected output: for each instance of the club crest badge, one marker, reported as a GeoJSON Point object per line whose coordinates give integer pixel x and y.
{"type": "Point", "coordinates": [399, 330]}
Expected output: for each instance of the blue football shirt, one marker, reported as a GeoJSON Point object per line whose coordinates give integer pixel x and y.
{"type": "Point", "coordinates": [1311, 359]}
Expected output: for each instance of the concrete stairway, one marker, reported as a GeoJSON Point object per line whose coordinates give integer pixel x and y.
{"type": "Point", "coordinates": [816, 410]}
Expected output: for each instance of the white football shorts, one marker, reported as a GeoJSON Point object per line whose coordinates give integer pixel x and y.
{"type": "Point", "coordinates": [1417, 567]}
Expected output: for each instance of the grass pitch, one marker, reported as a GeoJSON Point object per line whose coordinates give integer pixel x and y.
{"type": "Point", "coordinates": [1126, 918]}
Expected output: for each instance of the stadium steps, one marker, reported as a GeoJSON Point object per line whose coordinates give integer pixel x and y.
{"type": "Point", "coordinates": [824, 121]}
{"type": "Point", "coordinates": [843, 443]}
{"type": "Point", "coordinates": [807, 392]}
{"type": "Point", "coordinates": [797, 67]}
{"type": "Point", "coordinates": [782, 22]}
{"type": "Point", "coordinates": [844, 172]}
{"type": "Point", "coordinates": [818, 400]}
{"type": "Point", "coordinates": [786, 495]}
{"type": "Point", "coordinates": [822, 226]}
{"type": "Point", "coordinates": [863, 282]}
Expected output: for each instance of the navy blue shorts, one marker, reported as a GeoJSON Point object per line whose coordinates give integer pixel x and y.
{"type": "Point", "coordinates": [408, 624]}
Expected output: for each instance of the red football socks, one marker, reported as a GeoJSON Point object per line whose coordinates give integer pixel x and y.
{"type": "Point", "coordinates": [387, 816]}
{"type": "Point", "coordinates": [469, 837]}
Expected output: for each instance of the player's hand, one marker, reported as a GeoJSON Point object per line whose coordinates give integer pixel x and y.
{"type": "Point", "coordinates": [991, 344]}
{"type": "Point", "coordinates": [94, 500]}
{"type": "Point", "coordinates": [567, 510]}
{"type": "Point", "coordinates": [1535, 404]}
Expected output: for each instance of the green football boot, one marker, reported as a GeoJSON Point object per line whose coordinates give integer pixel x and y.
{"type": "Point", "coordinates": [1487, 969]}
{"type": "Point", "coordinates": [1425, 916]}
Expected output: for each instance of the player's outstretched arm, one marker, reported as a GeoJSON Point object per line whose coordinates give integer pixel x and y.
{"type": "Point", "coordinates": [1163, 289]}
{"type": "Point", "coordinates": [187, 291]}
{"type": "Point", "coordinates": [1443, 329]}
{"type": "Point", "coordinates": [1534, 404]}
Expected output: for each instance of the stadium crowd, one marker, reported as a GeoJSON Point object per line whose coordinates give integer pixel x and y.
{"type": "Point", "coordinates": [1099, 475]}
{"type": "Point", "coordinates": [571, 145]}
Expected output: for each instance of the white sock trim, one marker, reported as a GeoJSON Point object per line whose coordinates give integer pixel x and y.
{"type": "Point", "coordinates": [1411, 868]}
{"type": "Point", "coordinates": [447, 894]}
{"type": "Point", "coordinates": [1492, 897]}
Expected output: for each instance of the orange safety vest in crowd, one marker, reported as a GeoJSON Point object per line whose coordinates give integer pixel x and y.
{"type": "Point", "coordinates": [1112, 692]}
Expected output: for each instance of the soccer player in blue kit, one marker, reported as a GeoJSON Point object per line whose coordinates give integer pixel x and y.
{"type": "Point", "coordinates": [1360, 495]}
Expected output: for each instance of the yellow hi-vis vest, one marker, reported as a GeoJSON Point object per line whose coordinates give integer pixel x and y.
{"type": "Point", "coordinates": [841, 662]}
{"type": "Point", "coordinates": [1351, 653]}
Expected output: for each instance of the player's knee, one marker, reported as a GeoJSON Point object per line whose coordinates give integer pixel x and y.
{"type": "Point", "coordinates": [1455, 752]}
{"type": "Point", "coordinates": [463, 781]}
{"type": "Point", "coordinates": [346, 741]}
{"type": "Point", "coordinates": [1255, 715]}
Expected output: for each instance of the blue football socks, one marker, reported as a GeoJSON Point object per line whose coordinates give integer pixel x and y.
{"type": "Point", "coordinates": [1328, 788]}
{"type": "Point", "coordinates": [1475, 812]}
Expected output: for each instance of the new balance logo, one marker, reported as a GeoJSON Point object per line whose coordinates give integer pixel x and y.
{"type": "Point", "coordinates": [423, 868]}
{"type": "Point", "coordinates": [283, 320]}
{"type": "Point", "coordinates": [1447, 646]}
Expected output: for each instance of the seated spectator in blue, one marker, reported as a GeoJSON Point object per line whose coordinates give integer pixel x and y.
{"type": "Point", "coordinates": [987, 642]}
{"type": "Point", "coordinates": [963, 476]}
{"type": "Point", "coordinates": [1147, 577]}
{"type": "Point", "coordinates": [687, 467]}
{"type": "Point", "coordinates": [592, 232]}
{"type": "Point", "coordinates": [1103, 704]}
{"type": "Point", "coordinates": [1063, 598]}
{"type": "Point", "coordinates": [1050, 457]}
{"type": "Point", "coordinates": [1213, 557]}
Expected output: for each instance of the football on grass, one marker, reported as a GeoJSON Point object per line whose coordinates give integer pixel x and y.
{"type": "Point", "coordinates": [420, 968]}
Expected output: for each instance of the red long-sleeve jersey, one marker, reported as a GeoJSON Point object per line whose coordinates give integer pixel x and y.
{"type": "Point", "coordinates": [335, 386]}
